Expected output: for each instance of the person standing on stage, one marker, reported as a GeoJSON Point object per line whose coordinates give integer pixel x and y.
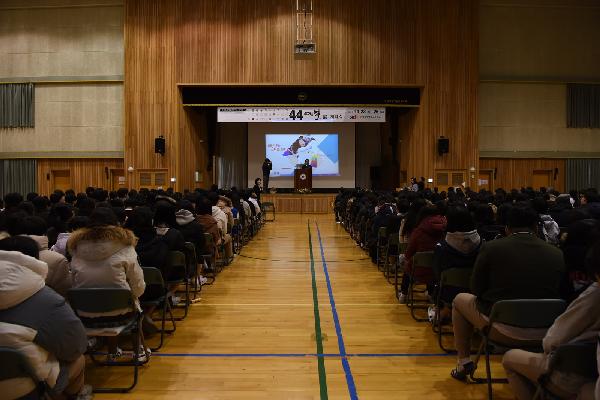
{"type": "Point", "coordinates": [266, 168]}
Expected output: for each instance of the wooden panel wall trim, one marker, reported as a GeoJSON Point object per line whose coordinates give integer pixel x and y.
{"type": "Point", "coordinates": [84, 172]}
{"type": "Point", "coordinates": [431, 44]}
{"type": "Point", "coordinates": [518, 172]}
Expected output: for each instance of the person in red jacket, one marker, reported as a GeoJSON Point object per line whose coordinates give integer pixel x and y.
{"type": "Point", "coordinates": [430, 229]}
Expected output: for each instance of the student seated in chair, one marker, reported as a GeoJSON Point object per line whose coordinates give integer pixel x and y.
{"type": "Point", "coordinates": [38, 322]}
{"type": "Point", "coordinates": [579, 323]}
{"type": "Point", "coordinates": [519, 266]}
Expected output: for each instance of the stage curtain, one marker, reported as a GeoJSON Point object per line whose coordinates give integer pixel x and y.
{"type": "Point", "coordinates": [582, 173]}
{"type": "Point", "coordinates": [583, 106]}
{"type": "Point", "coordinates": [368, 152]}
{"type": "Point", "coordinates": [232, 163]}
{"type": "Point", "coordinates": [17, 105]}
{"type": "Point", "coordinates": [17, 176]}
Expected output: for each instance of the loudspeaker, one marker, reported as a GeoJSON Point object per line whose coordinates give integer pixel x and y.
{"type": "Point", "coordinates": [159, 145]}
{"type": "Point", "coordinates": [443, 145]}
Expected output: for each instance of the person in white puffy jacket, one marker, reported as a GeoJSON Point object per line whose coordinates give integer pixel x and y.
{"type": "Point", "coordinates": [38, 322]}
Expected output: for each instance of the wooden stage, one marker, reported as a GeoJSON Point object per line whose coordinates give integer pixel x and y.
{"type": "Point", "coordinates": [296, 203]}
{"type": "Point", "coordinates": [254, 335]}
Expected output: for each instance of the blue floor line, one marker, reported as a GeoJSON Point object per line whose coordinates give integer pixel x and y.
{"type": "Point", "coordinates": [299, 355]}
{"type": "Point", "coordinates": [338, 328]}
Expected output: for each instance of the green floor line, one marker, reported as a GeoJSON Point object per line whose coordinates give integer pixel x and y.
{"type": "Point", "coordinates": [318, 336]}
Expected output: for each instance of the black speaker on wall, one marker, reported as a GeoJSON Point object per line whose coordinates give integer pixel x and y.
{"type": "Point", "coordinates": [443, 145]}
{"type": "Point", "coordinates": [159, 145]}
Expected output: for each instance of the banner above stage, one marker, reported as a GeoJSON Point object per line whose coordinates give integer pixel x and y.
{"type": "Point", "coordinates": [301, 114]}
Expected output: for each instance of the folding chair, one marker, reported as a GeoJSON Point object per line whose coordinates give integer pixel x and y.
{"type": "Point", "coordinates": [193, 272]}
{"type": "Point", "coordinates": [267, 207]}
{"type": "Point", "coordinates": [156, 296]}
{"type": "Point", "coordinates": [105, 300]}
{"type": "Point", "coordinates": [569, 359]}
{"type": "Point", "coordinates": [16, 366]}
{"type": "Point", "coordinates": [175, 274]}
{"type": "Point", "coordinates": [421, 260]}
{"type": "Point", "coordinates": [401, 250]}
{"type": "Point", "coordinates": [392, 252]}
{"type": "Point", "coordinates": [453, 277]}
{"type": "Point", "coordinates": [521, 313]}
{"type": "Point", "coordinates": [237, 236]}
{"type": "Point", "coordinates": [381, 247]}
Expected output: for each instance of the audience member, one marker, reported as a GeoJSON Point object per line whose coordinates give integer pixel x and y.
{"type": "Point", "coordinates": [520, 266]}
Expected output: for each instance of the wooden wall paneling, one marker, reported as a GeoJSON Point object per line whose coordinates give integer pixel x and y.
{"type": "Point", "coordinates": [83, 172]}
{"type": "Point", "coordinates": [151, 95]}
{"type": "Point", "coordinates": [518, 172]}
{"type": "Point", "coordinates": [434, 44]}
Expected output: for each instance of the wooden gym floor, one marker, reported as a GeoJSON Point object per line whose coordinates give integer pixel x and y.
{"type": "Point", "coordinates": [253, 334]}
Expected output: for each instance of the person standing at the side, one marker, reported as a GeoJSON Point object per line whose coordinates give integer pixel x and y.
{"type": "Point", "coordinates": [266, 168]}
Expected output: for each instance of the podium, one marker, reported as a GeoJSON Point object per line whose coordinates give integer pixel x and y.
{"type": "Point", "coordinates": [303, 178]}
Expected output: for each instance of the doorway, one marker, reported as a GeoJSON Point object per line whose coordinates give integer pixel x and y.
{"type": "Point", "coordinates": [541, 178]}
{"type": "Point", "coordinates": [486, 179]}
{"type": "Point", "coordinates": [117, 179]}
{"type": "Point", "coordinates": [61, 179]}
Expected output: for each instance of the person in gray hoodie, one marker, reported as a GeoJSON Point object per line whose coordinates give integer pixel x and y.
{"type": "Point", "coordinates": [59, 273]}
{"type": "Point", "coordinates": [39, 323]}
{"type": "Point", "coordinates": [191, 229]}
{"type": "Point", "coordinates": [458, 249]}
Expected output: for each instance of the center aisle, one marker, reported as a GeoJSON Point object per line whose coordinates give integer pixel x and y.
{"type": "Point", "coordinates": [254, 333]}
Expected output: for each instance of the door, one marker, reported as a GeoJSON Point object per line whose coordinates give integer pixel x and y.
{"type": "Point", "coordinates": [542, 178]}
{"type": "Point", "coordinates": [117, 179]}
{"type": "Point", "coordinates": [61, 179]}
{"type": "Point", "coordinates": [485, 180]}
{"type": "Point", "coordinates": [449, 178]}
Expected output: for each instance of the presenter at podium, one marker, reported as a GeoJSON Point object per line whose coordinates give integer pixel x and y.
{"type": "Point", "coordinates": [306, 164]}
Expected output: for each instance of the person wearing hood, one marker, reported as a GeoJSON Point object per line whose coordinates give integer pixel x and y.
{"type": "Point", "coordinates": [191, 229]}
{"type": "Point", "coordinates": [59, 273]}
{"type": "Point", "coordinates": [208, 222]}
{"type": "Point", "coordinates": [38, 322]}
{"type": "Point", "coordinates": [429, 231]}
{"type": "Point", "coordinates": [103, 255]}
{"type": "Point", "coordinates": [548, 228]}
{"type": "Point", "coordinates": [458, 249]}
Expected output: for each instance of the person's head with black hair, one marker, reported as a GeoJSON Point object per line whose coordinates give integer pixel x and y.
{"type": "Point", "coordinates": [85, 206]}
{"type": "Point", "coordinates": [103, 216]}
{"type": "Point", "coordinates": [56, 198]}
{"type": "Point", "coordinates": [31, 195]}
{"type": "Point", "coordinates": [141, 220]}
{"type": "Point", "coordinates": [164, 214]}
{"type": "Point", "coordinates": [483, 214]}
{"type": "Point", "coordinates": [522, 218]}
{"type": "Point", "coordinates": [22, 244]}
{"type": "Point", "coordinates": [540, 205]}
{"type": "Point", "coordinates": [12, 200]}
{"type": "Point", "coordinates": [32, 225]}
{"type": "Point", "coordinates": [27, 206]}
{"type": "Point", "coordinates": [70, 197]}
{"type": "Point", "coordinates": [459, 219]}
{"type": "Point", "coordinates": [214, 187]}
{"type": "Point", "coordinates": [428, 211]}
{"type": "Point", "coordinates": [77, 222]}
{"type": "Point", "coordinates": [187, 205]}
{"type": "Point", "coordinates": [203, 206]}
{"type": "Point", "coordinates": [122, 193]}
{"type": "Point", "coordinates": [590, 196]}
{"type": "Point", "coordinates": [257, 182]}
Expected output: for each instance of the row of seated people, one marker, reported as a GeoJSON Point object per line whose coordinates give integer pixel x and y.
{"type": "Point", "coordinates": [517, 245]}
{"type": "Point", "coordinates": [49, 246]}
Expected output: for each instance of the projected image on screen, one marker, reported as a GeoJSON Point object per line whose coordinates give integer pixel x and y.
{"type": "Point", "coordinates": [287, 150]}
